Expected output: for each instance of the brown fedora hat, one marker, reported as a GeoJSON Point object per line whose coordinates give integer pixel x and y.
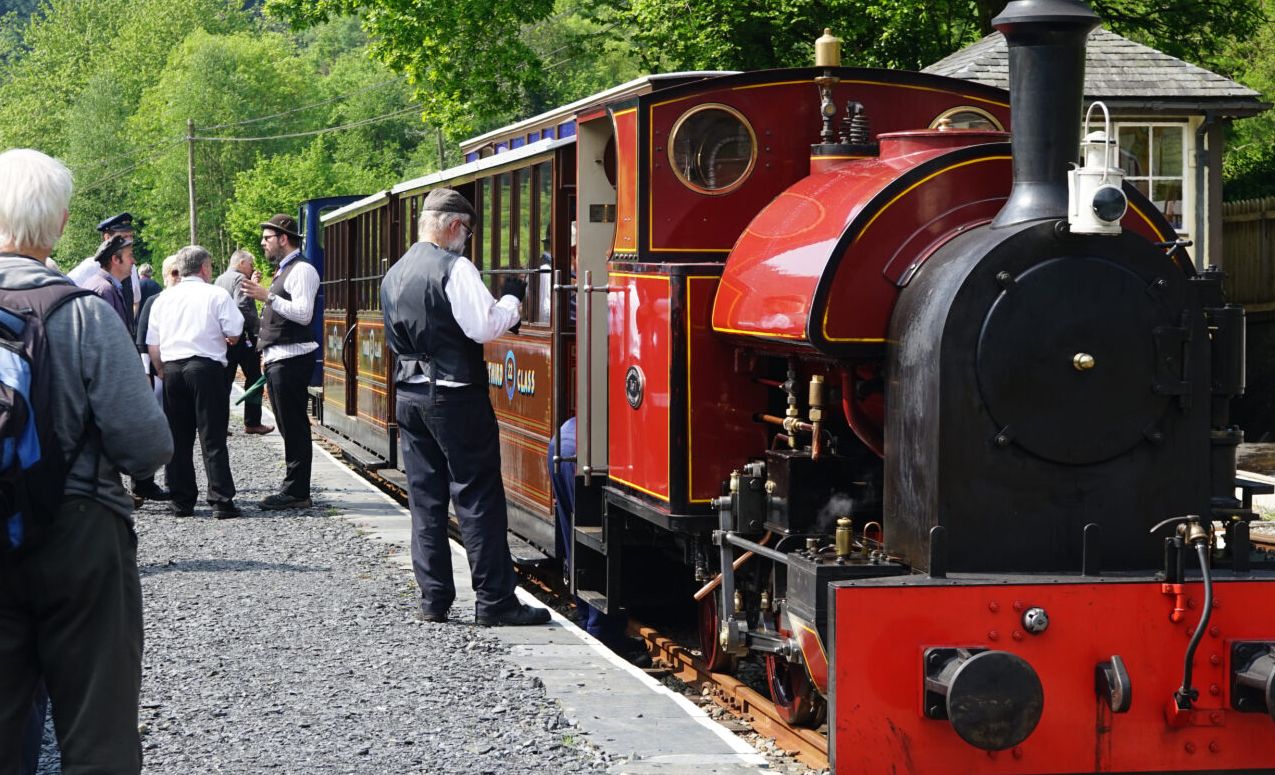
{"type": "Point", "coordinates": [284, 223]}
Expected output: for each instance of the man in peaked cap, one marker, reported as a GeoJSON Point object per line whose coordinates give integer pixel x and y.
{"type": "Point", "coordinates": [121, 225]}
{"type": "Point", "coordinates": [438, 313]}
{"type": "Point", "coordinates": [287, 350]}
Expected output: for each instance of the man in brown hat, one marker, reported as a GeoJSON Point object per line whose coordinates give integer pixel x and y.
{"type": "Point", "coordinates": [438, 313]}
{"type": "Point", "coordinates": [287, 349]}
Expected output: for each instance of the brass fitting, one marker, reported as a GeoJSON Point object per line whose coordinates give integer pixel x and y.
{"type": "Point", "coordinates": [845, 537]}
{"type": "Point", "coordinates": [816, 398]}
{"type": "Point", "coordinates": [739, 602]}
{"type": "Point", "coordinates": [734, 481]}
{"type": "Point", "coordinates": [828, 50]}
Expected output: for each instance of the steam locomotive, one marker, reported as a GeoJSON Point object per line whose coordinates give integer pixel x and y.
{"type": "Point", "coordinates": [934, 421]}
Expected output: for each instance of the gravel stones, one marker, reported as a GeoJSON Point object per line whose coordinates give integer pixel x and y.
{"type": "Point", "coordinates": [284, 642]}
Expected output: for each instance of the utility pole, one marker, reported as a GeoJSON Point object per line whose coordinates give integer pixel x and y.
{"type": "Point", "coordinates": [190, 174]}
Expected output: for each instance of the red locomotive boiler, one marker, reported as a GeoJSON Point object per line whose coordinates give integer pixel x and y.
{"type": "Point", "coordinates": [937, 424]}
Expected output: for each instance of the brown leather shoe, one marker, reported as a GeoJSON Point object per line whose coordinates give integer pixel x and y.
{"type": "Point", "coordinates": [259, 429]}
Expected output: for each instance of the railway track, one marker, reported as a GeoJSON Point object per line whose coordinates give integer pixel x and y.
{"type": "Point", "coordinates": [668, 656]}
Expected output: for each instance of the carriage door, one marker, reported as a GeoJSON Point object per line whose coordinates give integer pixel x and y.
{"type": "Point", "coordinates": [338, 323]}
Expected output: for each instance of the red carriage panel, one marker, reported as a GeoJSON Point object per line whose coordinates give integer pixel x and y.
{"type": "Point", "coordinates": [520, 383]}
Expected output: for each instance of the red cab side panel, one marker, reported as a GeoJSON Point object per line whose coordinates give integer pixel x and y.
{"type": "Point", "coordinates": [640, 325]}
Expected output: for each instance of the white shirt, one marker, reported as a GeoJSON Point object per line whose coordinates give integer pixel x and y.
{"type": "Point", "coordinates": [302, 285]}
{"type": "Point", "coordinates": [88, 267]}
{"type": "Point", "coordinates": [193, 319]}
{"type": "Point", "coordinates": [477, 312]}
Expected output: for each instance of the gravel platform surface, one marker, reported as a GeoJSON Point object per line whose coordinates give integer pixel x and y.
{"type": "Point", "coordinates": [284, 642]}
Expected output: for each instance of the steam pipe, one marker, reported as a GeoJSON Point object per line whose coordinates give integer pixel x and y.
{"type": "Point", "coordinates": [871, 437]}
{"type": "Point", "coordinates": [1046, 40]}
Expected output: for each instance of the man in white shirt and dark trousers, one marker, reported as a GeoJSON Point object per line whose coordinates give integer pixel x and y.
{"type": "Point", "coordinates": [287, 349]}
{"type": "Point", "coordinates": [189, 329]}
{"type": "Point", "coordinates": [438, 314]}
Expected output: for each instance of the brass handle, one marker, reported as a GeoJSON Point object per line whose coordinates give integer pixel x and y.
{"type": "Point", "coordinates": [1082, 361]}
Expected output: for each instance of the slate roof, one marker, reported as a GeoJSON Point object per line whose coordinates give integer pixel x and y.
{"type": "Point", "coordinates": [1124, 74]}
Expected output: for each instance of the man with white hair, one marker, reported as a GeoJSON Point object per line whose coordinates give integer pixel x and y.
{"type": "Point", "coordinates": [244, 356]}
{"type": "Point", "coordinates": [189, 329]}
{"type": "Point", "coordinates": [438, 313]}
{"type": "Point", "coordinates": [70, 599]}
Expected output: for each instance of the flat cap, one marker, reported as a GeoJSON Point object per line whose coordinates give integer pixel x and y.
{"type": "Point", "coordinates": [284, 223]}
{"type": "Point", "coordinates": [446, 200]}
{"type": "Point", "coordinates": [121, 222]}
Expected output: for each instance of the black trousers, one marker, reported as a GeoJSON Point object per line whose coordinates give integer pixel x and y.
{"type": "Point", "coordinates": [289, 380]}
{"type": "Point", "coordinates": [196, 402]}
{"type": "Point", "coordinates": [244, 356]}
{"type": "Point", "coordinates": [451, 451]}
{"type": "Point", "coordinates": [71, 613]}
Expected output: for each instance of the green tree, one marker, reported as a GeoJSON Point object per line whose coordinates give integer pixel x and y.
{"type": "Point", "coordinates": [1249, 166]}
{"type": "Point", "coordinates": [277, 183]}
{"type": "Point", "coordinates": [465, 58]}
{"type": "Point", "coordinates": [218, 81]}
{"type": "Point", "coordinates": [77, 74]}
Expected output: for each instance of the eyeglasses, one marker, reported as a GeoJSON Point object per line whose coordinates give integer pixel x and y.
{"type": "Point", "coordinates": [469, 231]}
{"type": "Point", "coordinates": [268, 237]}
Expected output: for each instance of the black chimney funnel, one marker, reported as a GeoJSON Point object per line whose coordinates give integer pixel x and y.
{"type": "Point", "coordinates": [1046, 40]}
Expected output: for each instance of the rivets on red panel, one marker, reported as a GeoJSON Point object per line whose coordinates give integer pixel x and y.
{"type": "Point", "coordinates": [1190, 602]}
{"type": "Point", "coordinates": [1019, 605]}
{"type": "Point", "coordinates": [1215, 659]}
{"type": "Point", "coordinates": [1017, 751]}
{"type": "Point", "coordinates": [1018, 635]}
{"type": "Point", "coordinates": [1215, 631]}
{"type": "Point", "coordinates": [993, 635]}
{"type": "Point", "coordinates": [1215, 690]}
{"type": "Point", "coordinates": [1189, 747]}
{"type": "Point", "coordinates": [993, 606]}
{"type": "Point", "coordinates": [1215, 746]}
{"type": "Point", "coordinates": [1216, 718]}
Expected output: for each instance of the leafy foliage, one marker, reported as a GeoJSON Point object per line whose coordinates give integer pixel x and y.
{"type": "Point", "coordinates": [1249, 166]}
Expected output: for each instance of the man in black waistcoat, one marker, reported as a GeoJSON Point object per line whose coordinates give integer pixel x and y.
{"type": "Point", "coordinates": [438, 313]}
{"type": "Point", "coordinates": [287, 349]}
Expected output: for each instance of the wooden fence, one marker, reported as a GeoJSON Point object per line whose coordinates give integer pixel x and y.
{"type": "Point", "coordinates": [1248, 251]}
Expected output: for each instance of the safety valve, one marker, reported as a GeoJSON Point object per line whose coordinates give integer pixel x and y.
{"type": "Point", "coordinates": [1253, 677]}
{"type": "Point", "coordinates": [1097, 199]}
{"type": "Point", "coordinates": [993, 699]}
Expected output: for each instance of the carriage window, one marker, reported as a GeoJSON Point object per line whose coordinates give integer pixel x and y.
{"type": "Point", "coordinates": [489, 225]}
{"type": "Point", "coordinates": [966, 117]}
{"type": "Point", "coordinates": [541, 285]}
{"type": "Point", "coordinates": [500, 213]}
{"type": "Point", "coordinates": [713, 149]}
{"type": "Point", "coordinates": [478, 243]}
{"type": "Point", "coordinates": [524, 239]}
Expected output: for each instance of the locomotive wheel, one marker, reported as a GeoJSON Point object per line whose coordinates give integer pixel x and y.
{"type": "Point", "coordinates": [715, 659]}
{"type": "Point", "coordinates": [793, 693]}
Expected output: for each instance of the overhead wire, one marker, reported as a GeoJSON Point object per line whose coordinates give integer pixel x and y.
{"type": "Point", "coordinates": [309, 133]}
{"type": "Point", "coordinates": [101, 182]}
{"type": "Point", "coordinates": [111, 159]}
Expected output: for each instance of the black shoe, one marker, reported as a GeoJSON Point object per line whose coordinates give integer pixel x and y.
{"type": "Point", "coordinates": [283, 501]}
{"type": "Point", "coordinates": [151, 492]}
{"type": "Point", "coordinates": [516, 616]}
{"type": "Point", "coordinates": [633, 651]}
{"type": "Point", "coordinates": [431, 616]}
{"type": "Point", "coordinates": [227, 510]}
{"type": "Point", "coordinates": [178, 510]}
